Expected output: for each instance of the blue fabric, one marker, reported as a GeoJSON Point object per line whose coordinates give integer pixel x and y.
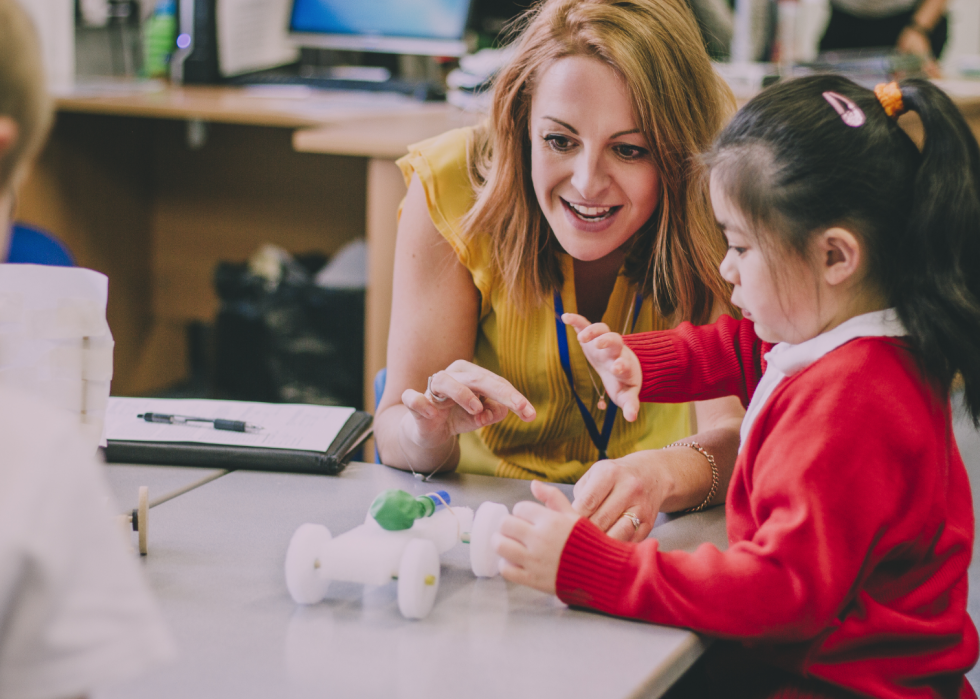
{"type": "Point", "coordinates": [31, 246]}
{"type": "Point", "coordinates": [600, 439]}
{"type": "Point", "coordinates": [379, 388]}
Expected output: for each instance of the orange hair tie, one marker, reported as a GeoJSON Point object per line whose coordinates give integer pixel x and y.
{"type": "Point", "coordinates": [890, 96]}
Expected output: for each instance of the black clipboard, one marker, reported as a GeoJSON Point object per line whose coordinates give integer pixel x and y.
{"type": "Point", "coordinates": [328, 463]}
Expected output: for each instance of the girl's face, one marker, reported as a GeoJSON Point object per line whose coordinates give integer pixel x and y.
{"type": "Point", "coordinates": [591, 167]}
{"type": "Point", "coordinates": [782, 312]}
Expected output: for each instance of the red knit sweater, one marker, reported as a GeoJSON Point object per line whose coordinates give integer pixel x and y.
{"type": "Point", "coordinates": [850, 522]}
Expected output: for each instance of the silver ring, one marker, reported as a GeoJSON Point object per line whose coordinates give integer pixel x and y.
{"type": "Point", "coordinates": [632, 518]}
{"type": "Point", "coordinates": [437, 397]}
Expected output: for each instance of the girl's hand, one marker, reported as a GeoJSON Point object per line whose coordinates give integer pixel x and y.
{"type": "Point", "coordinates": [614, 487]}
{"type": "Point", "coordinates": [463, 398]}
{"type": "Point", "coordinates": [531, 540]}
{"type": "Point", "coordinates": [616, 363]}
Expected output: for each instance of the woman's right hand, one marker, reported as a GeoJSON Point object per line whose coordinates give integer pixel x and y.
{"type": "Point", "coordinates": [462, 398]}
{"type": "Point", "coordinates": [435, 313]}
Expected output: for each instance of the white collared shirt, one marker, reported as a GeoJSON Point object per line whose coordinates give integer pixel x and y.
{"type": "Point", "coordinates": [786, 360]}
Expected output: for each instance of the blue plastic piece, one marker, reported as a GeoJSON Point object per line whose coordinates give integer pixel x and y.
{"type": "Point", "coordinates": [439, 503]}
{"type": "Point", "coordinates": [379, 389]}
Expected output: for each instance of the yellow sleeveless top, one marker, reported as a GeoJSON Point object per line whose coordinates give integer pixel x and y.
{"type": "Point", "coordinates": [523, 347]}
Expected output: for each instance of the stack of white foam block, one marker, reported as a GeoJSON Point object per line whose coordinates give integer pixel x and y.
{"type": "Point", "coordinates": [54, 339]}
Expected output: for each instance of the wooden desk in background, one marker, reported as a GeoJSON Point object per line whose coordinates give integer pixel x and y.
{"type": "Point", "coordinates": [121, 184]}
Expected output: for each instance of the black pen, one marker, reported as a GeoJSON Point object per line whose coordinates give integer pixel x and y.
{"type": "Point", "coordinates": [216, 423]}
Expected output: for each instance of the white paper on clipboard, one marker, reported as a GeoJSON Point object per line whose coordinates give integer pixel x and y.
{"type": "Point", "coordinates": [252, 35]}
{"type": "Point", "coordinates": [301, 427]}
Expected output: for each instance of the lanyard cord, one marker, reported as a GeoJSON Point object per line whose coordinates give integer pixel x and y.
{"type": "Point", "coordinates": [601, 440]}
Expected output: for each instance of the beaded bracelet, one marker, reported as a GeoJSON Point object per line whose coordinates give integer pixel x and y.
{"type": "Point", "coordinates": [714, 472]}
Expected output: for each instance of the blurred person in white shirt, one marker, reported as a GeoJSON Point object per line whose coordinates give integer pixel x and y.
{"type": "Point", "coordinates": [75, 612]}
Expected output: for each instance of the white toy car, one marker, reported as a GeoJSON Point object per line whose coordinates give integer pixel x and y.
{"type": "Point", "coordinates": [399, 541]}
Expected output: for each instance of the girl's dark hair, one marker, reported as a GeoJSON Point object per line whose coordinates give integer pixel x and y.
{"type": "Point", "coordinates": [794, 168]}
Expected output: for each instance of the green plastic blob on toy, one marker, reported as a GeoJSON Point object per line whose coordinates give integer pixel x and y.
{"type": "Point", "coordinates": [396, 510]}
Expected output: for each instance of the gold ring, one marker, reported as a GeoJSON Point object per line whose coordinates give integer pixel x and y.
{"type": "Point", "coordinates": [437, 397]}
{"type": "Point", "coordinates": [634, 519]}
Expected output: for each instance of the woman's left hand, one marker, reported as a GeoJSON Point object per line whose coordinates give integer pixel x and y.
{"type": "Point", "coordinates": [671, 480]}
{"type": "Point", "coordinates": [632, 484]}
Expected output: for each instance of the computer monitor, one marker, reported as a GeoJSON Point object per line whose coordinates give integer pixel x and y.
{"type": "Point", "coordinates": [419, 27]}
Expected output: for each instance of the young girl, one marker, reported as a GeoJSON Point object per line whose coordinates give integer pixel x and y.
{"type": "Point", "coordinates": [856, 263]}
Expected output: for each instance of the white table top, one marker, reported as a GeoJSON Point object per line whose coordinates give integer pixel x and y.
{"type": "Point", "coordinates": [216, 564]}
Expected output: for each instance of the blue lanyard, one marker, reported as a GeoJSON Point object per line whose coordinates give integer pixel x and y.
{"type": "Point", "coordinates": [601, 440]}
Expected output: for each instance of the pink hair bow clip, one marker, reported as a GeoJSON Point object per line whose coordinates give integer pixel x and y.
{"type": "Point", "coordinates": [849, 112]}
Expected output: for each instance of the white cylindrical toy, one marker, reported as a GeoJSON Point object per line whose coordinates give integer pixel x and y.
{"type": "Point", "coordinates": [303, 578]}
{"type": "Point", "coordinates": [369, 554]}
{"type": "Point", "coordinates": [366, 554]}
{"type": "Point", "coordinates": [483, 559]}
{"type": "Point", "coordinates": [418, 579]}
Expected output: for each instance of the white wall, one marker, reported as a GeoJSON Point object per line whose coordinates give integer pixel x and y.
{"type": "Point", "coordinates": [964, 19]}
{"type": "Point", "coordinates": [813, 18]}
{"type": "Point", "coordinates": [55, 20]}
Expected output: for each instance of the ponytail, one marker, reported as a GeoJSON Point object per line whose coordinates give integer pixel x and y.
{"type": "Point", "coordinates": [937, 289]}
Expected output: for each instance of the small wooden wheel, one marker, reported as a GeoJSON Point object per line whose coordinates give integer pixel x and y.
{"type": "Point", "coordinates": [143, 517]}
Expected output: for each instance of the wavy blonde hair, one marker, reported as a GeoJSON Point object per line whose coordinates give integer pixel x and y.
{"type": "Point", "coordinates": [23, 96]}
{"type": "Point", "coordinates": [679, 104]}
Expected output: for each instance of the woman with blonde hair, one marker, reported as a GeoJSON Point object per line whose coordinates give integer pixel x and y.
{"type": "Point", "coordinates": [582, 192]}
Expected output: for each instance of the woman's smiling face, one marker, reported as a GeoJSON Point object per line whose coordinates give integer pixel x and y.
{"type": "Point", "coordinates": [591, 167]}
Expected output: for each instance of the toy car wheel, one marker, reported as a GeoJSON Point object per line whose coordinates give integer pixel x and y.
{"type": "Point", "coordinates": [483, 559]}
{"type": "Point", "coordinates": [418, 579]}
{"type": "Point", "coordinates": [306, 580]}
